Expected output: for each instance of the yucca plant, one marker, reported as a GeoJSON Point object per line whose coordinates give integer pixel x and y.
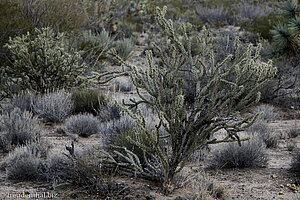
{"type": "Point", "coordinates": [286, 34]}
{"type": "Point", "coordinates": [223, 90]}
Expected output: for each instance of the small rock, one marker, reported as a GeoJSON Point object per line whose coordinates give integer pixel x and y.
{"type": "Point", "coordinates": [280, 193]}
{"type": "Point", "coordinates": [282, 186]}
{"type": "Point", "coordinates": [274, 176]}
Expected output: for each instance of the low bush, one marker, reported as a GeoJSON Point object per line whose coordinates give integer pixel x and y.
{"type": "Point", "coordinates": [23, 101]}
{"type": "Point", "coordinates": [83, 125]}
{"type": "Point", "coordinates": [110, 112]}
{"type": "Point", "coordinates": [18, 128]}
{"type": "Point", "coordinates": [88, 101]}
{"type": "Point", "coordinates": [263, 131]}
{"type": "Point", "coordinates": [249, 154]}
{"type": "Point", "coordinates": [112, 131]}
{"type": "Point", "coordinates": [25, 163]}
{"type": "Point", "coordinates": [218, 15]}
{"type": "Point", "coordinates": [269, 112]}
{"type": "Point", "coordinates": [53, 107]}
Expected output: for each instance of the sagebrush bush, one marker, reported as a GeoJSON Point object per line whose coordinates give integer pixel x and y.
{"type": "Point", "coordinates": [89, 101]}
{"type": "Point", "coordinates": [112, 131]}
{"type": "Point", "coordinates": [110, 112]}
{"type": "Point", "coordinates": [249, 154]}
{"type": "Point", "coordinates": [83, 125]}
{"type": "Point", "coordinates": [25, 163]}
{"type": "Point", "coordinates": [53, 107]}
{"type": "Point", "coordinates": [269, 112]}
{"type": "Point", "coordinates": [263, 131]}
{"type": "Point", "coordinates": [42, 61]}
{"type": "Point", "coordinates": [218, 15]}
{"type": "Point", "coordinates": [18, 128]}
{"type": "Point", "coordinates": [23, 101]}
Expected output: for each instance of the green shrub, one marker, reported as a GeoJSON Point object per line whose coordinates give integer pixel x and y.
{"type": "Point", "coordinates": [18, 128]}
{"type": "Point", "coordinates": [41, 62]}
{"type": "Point", "coordinates": [89, 101]}
{"type": "Point", "coordinates": [83, 125]}
{"type": "Point", "coordinates": [261, 25]}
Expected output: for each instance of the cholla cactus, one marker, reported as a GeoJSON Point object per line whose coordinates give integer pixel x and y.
{"type": "Point", "coordinates": [222, 91]}
{"type": "Point", "coordinates": [42, 61]}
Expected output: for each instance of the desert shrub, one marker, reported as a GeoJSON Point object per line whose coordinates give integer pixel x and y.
{"type": "Point", "coordinates": [18, 128]}
{"type": "Point", "coordinates": [246, 10]}
{"type": "Point", "coordinates": [25, 163]}
{"type": "Point", "coordinates": [249, 154]}
{"type": "Point", "coordinates": [83, 125]}
{"type": "Point", "coordinates": [88, 170]}
{"type": "Point", "coordinates": [112, 131]}
{"type": "Point", "coordinates": [53, 107]}
{"type": "Point", "coordinates": [88, 101]}
{"type": "Point", "coordinates": [110, 112]}
{"type": "Point", "coordinates": [60, 15]}
{"type": "Point", "coordinates": [218, 15]}
{"type": "Point", "coordinates": [261, 25]}
{"type": "Point", "coordinates": [262, 130]}
{"type": "Point", "coordinates": [295, 164]}
{"type": "Point", "coordinates": [218, 99]}
{"type": "Point", "coordinates": [269, 112]}
{"type": "Point", "coordinates": [125, 48]}
{"type": "Point", "coordinates": [32, 56]}
{"type": "Point", "coordinates": [23, 101]}
{"type": "Point", "coordinates": [57, 168]}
